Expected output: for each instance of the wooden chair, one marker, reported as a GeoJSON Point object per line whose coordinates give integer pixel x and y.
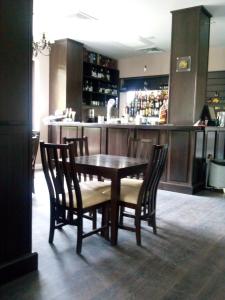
{"type": "Point", "coordinates": [139, 148]}
{"type": "Point", "coordinates": [80, 149]}
{"type": "Point", "coordinates": [140, 195]}
{"type": "Point", "coordinates": [69, 199]}
{"type": "Point", "coordinates": [35, 143]}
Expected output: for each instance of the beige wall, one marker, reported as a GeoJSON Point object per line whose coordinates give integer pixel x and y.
{"type": "Point", "coordinates": [156, 63]}
{"type": "Point", "coordinates": [159, 63]}
{"type": "Point", "coordinates": [216, 59]}
{"type": "Point", "coordinates": [40, 98]}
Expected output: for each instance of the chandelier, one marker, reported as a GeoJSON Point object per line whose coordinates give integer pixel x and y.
{"type": "Point", "coordinates": [43, 47]}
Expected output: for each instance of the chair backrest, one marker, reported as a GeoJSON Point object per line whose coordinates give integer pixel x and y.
{"type": "Point", "coordinates": [80, 149]}
{"type": "Point", "coordinates": [35, 143]}
{"type": "Point", "coordinates": [58, 161]}
{"type": "Point", "coordinates": [148, 191]}
{"type": "Point", "coordinates": [80, 145]}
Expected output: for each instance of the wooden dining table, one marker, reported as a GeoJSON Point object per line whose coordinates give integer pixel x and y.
{"type": "Point", "coordinates": [114, 168]}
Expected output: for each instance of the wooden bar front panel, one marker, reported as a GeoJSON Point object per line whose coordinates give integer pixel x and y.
{"type": "Point", "coordinates": [178, 156]}
{"type": "Point", "coordinates": [94, 139]}
{"type": "Point", "coordinates": [184, 170]}
{"type": "Point", "coordinates": [117, 141]}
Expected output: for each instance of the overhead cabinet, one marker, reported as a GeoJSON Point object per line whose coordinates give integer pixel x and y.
{"type": "Point", "coordinates": [81, 79]}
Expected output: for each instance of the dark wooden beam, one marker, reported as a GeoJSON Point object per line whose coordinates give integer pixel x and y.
{"type": "Point", "coordinates": [187, 86]}
{"type": "Point", "coordinates": [16, 257]}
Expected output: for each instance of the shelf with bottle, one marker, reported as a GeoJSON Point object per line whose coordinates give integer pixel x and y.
{"type": "Point", "coordinates": [99, 59]}
{"type": "Point", "coordinates": [100, 88]}
{"type": "Point", "coordinates": [97, 102]}
{"type": "Point", "coordinates": [100, 73]}
{"type": "Point", "coordinates": [146, 103]}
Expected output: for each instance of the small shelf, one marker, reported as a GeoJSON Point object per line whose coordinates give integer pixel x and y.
{"type": "Point", "coordinates": [100, 79]}
{"type": "Point", "coordinates": [100, 66]}
{"type": "Point", "coordinates": [86, 106]}
{"type": "Point", "coordinates": [106, 94]}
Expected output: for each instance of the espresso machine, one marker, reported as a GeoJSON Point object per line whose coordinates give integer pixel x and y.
{"type": "Point", "coordinates": [91, 115]}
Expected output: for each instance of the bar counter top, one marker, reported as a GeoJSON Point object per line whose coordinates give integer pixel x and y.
{"type": "Point", "coordinates": [128, 126]}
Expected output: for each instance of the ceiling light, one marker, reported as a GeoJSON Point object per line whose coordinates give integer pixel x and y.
{"type": "Point", "coordinates": [43, 47]}
{"type": "Point", "coordinates": [151, 50]}
{"type": "Point", "coordinates": [83, 16]}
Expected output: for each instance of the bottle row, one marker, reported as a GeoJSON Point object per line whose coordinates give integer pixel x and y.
{"type": "Point", "coordinates": [98, 102]}
{"type": "Point", "coordinates": [146, 104]}
{"type": "Point", "coordinates": [104, 88]}
{"type": "Point", "coordinates": [100, 74]}
{"type": "Point", "coordinates": [145, 112]}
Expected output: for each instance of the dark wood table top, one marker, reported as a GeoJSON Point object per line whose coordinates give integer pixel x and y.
{"type": "Point", "coordinates": [107, 165]}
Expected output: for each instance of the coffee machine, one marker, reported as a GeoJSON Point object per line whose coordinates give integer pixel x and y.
{"type": "Point", "coordinates": [91, 115]}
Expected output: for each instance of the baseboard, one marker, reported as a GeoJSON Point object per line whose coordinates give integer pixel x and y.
{"type": "Point", "coordinates": [18, 267]}
{"type": "Point", "coordinates": [181, 188]}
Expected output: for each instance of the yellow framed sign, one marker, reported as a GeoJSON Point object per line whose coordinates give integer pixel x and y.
{"type": "Point", "coordinates": [183, 64]}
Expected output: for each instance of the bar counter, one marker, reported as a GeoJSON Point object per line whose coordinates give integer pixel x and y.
{"type": "Point", "coordinates": [184, 171]}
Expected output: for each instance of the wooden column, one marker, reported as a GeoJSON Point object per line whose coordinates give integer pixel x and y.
{"type": "Point", "coordinates": [16, 257]}
{"type": "Point", "coordinates": [189, 44]}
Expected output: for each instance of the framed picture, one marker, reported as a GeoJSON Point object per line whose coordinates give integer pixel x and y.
{"type": "Point", "coordinates": [183, 64]}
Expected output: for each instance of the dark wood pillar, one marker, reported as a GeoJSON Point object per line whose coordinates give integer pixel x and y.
{"type": "Point", "coordinates": [16, 257]}
{"type": "Point", "coordinates": [189, 64]}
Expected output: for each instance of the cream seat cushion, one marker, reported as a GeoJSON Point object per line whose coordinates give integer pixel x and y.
{"type": "Point", "coordinates": [91, 192]}
{"type": "Point", "coordinates": [129, 190]}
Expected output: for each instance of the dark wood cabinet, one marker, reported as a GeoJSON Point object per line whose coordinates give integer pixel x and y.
{"type": "Point", "coordinates": [80, 79]}
{"type": "Point", "coordinates": [100, 83]}
{"type": "Point", "coordinates": [66, 77]}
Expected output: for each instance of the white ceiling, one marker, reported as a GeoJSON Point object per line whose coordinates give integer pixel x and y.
{"type": "Point", "coordinates": [119, 28]}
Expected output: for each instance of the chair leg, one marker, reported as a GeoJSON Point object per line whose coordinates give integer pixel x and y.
{"type": "Point", "coordinates": [94, 222]}
{"type": "Point", "coordinates": [79, 233]}
{"type": "Point", "coordinates": [121, 216]}
{"type": "Point", "coordinates": [105, 222]}
{"type": "Point", "coordinates": [52, 226]}
{"type": "Point", "coordinates": [33, 190]}
{"type": "Point", "coordinates": [138, 230]}
{"type": "Point", "coordinates": [154, 224]}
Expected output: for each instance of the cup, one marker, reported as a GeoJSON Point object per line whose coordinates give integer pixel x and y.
{"type": "Point", "coordinates": [100, 119]}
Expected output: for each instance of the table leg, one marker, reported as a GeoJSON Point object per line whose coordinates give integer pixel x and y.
{"type": "Point", "coordinates": [115, 195]}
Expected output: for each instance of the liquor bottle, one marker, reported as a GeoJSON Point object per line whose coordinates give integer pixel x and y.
{"type": "Point", "coordinates": [86, 86]}
{"type": "Point", "coordinates": [90, 88]}
{"type": "Point", "coordinates": [93, 72]}
{"type": "Point", "coordinates": [108, 75]}
{"type": "Point", "coordinates": [163, 113]}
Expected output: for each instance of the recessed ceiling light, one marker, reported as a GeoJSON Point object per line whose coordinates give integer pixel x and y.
{"type": "Point", "coordinates": [151, 50]}
{"type": "Point", "coordinates": [82, 15]}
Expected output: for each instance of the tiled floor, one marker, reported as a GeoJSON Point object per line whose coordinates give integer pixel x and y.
{"type": "Point", "coordinates": [186, 260]}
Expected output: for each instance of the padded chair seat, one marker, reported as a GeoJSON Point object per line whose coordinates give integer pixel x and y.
{"type": "Point", "coordinates": [92, 194]}
{"type": "Point", "coordinates": [129, 190]}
